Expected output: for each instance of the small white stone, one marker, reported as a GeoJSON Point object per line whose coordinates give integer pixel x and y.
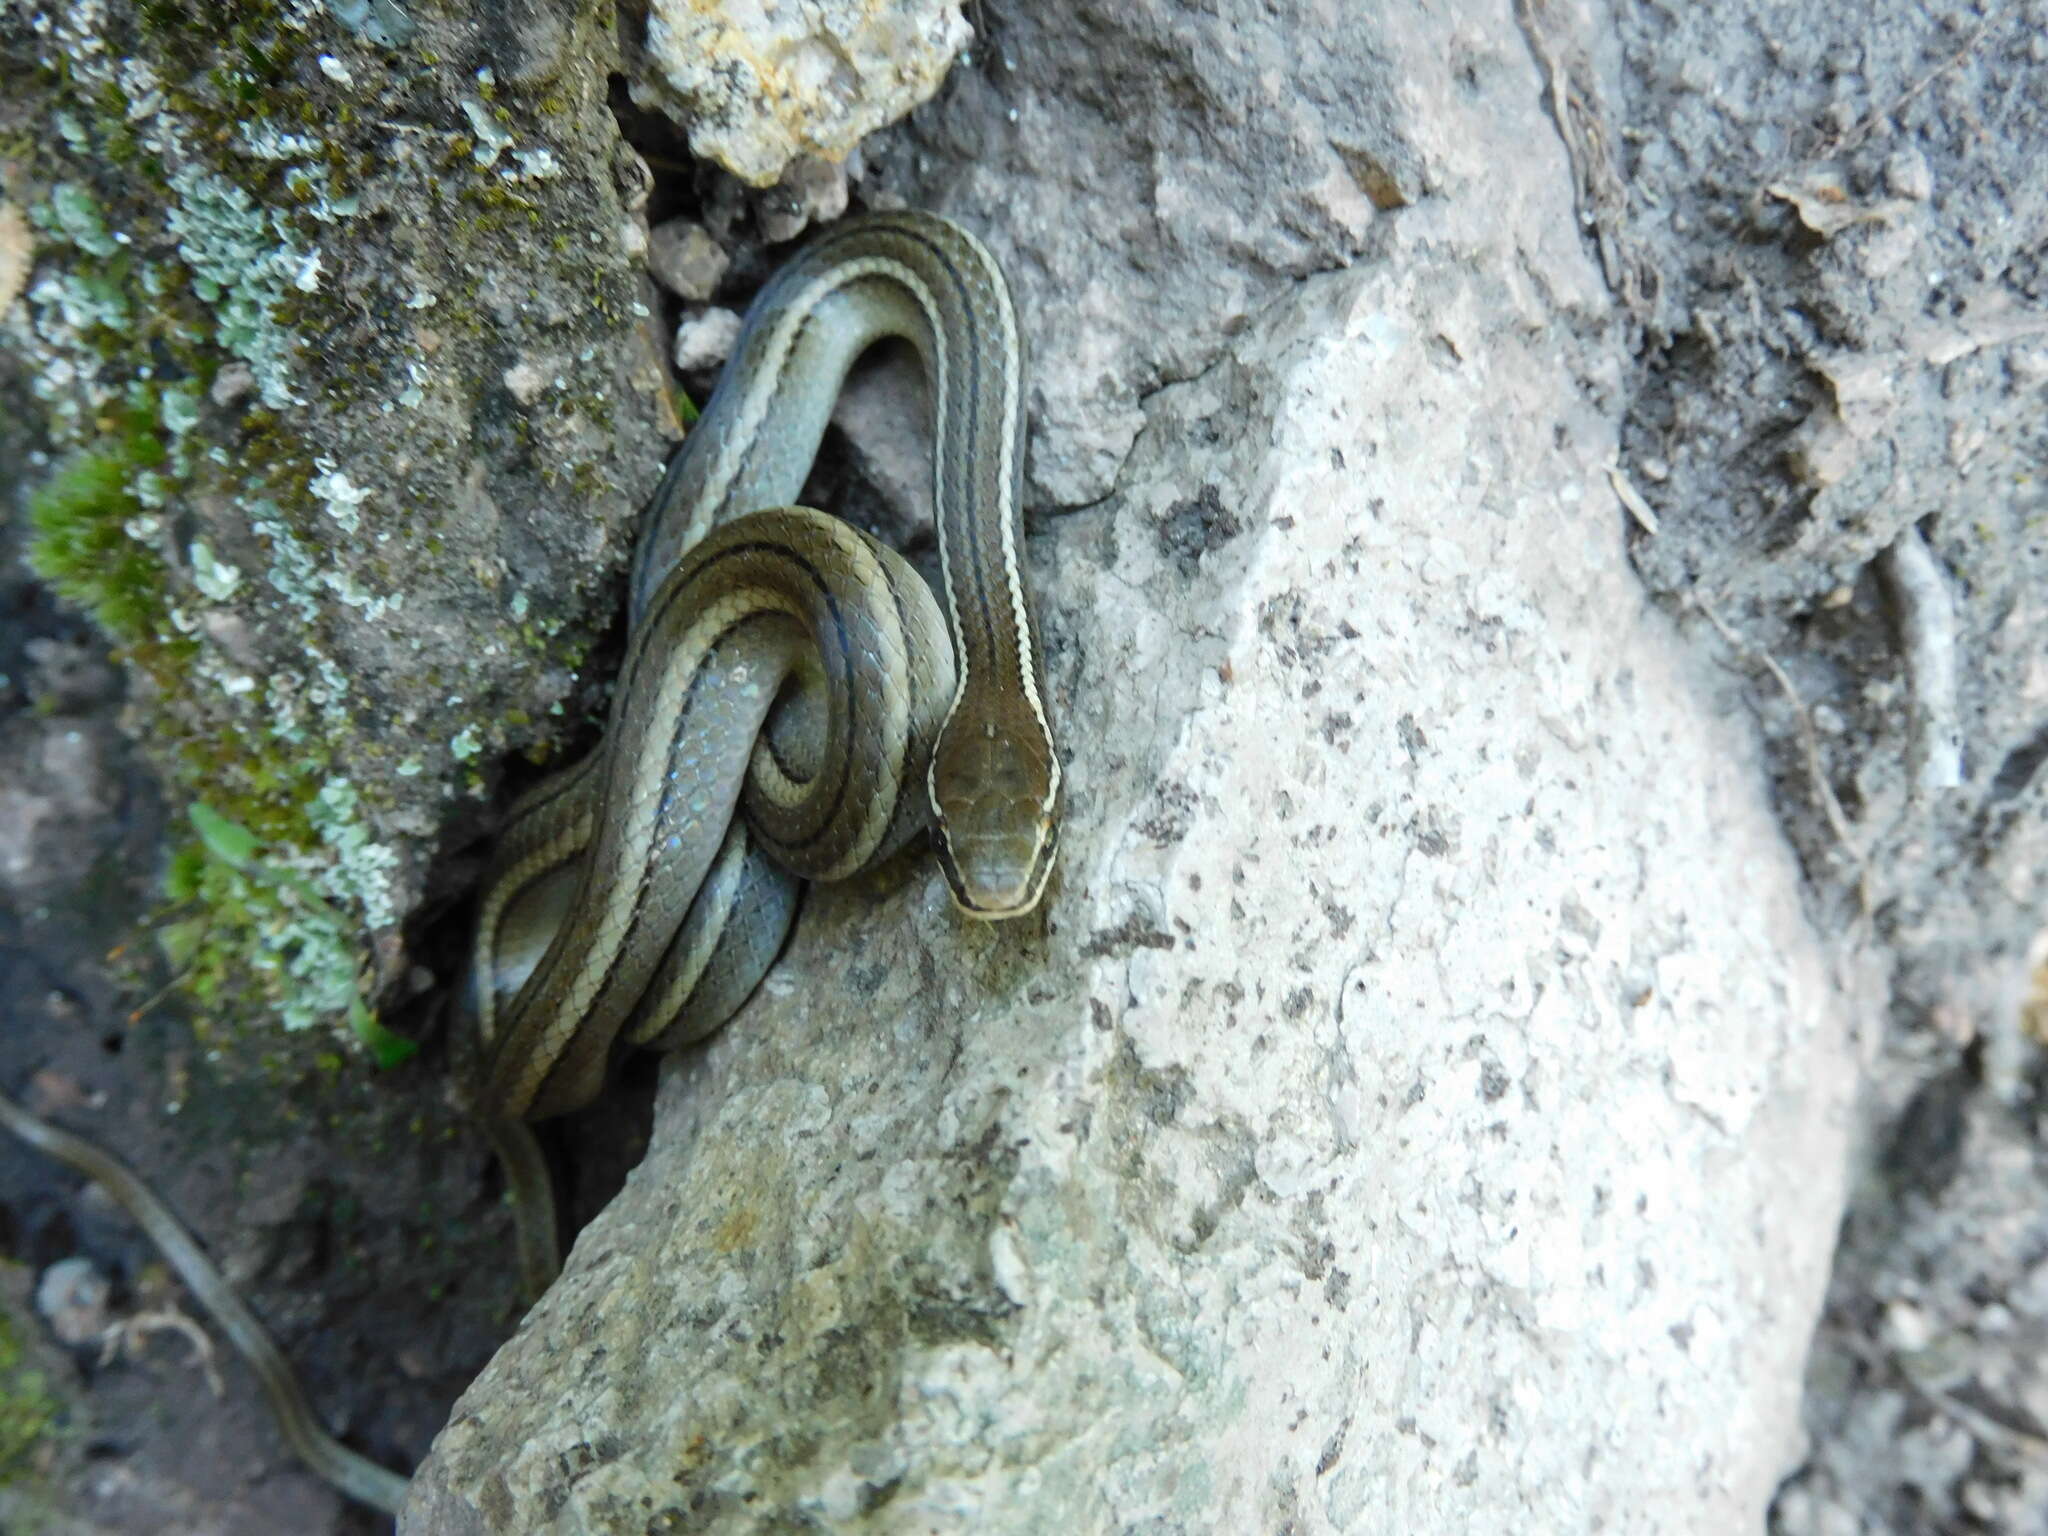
{"type": "Point", "coordinates": [534, 165]}
{"type": "Point", "coordinates": [72, 1297]}
{"type": "Point", "coordinates": [1907, 1327]}
{"type": "Point", "coordinates": [705, 339]}
{"type": "Point", "coordinates": [685, 259]}
{"type": "Point", "coordinates": [524, 382]}
{"type": "Point", "coordinates": [1907, 174]}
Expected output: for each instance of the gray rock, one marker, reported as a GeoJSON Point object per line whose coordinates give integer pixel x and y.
{"type": "Point", "coordinates": [54, 783]}
{"type": "Point", "coordinates": [685, 259]}
{"type": "Point", "coordinates": [72, 1296]}
{"type": "Point", "coordinates": [704, 339]}
{"type": "Point", "coordinates": [1386, 1125]}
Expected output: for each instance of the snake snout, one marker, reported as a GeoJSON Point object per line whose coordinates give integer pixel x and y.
{"type": "Point", "coordinates": [995, 873]}
{"type": "Point", "coordinates": [994, 830]}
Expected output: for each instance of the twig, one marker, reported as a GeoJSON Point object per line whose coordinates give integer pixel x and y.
{"type": "Point", "coordinates": [130, 1335]}
{"type": "Point", "coordinates": [1631, 498]}
{"type": "Point", "coordinates": [1860, 130]}
{"type": "Point", "coordinates": [2017, 1442]}
{"type": "Point", "coordinates": [1809, 739]}
{"type": "Point", "coordinates": [1927, 638]}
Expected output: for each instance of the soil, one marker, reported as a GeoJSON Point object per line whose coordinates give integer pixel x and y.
{"type": "Point", "coordinates": [357, 1211]}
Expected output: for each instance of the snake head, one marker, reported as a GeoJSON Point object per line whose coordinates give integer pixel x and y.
{"type": "Point", "coordinates": [995, 808]}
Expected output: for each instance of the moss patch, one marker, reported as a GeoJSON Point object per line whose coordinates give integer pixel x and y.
{"type": "Point", "coordinates": [157, 272]}
{"type": "Point", "coordinates": [287, 265]}
{"type": "Point", "coordinates": [29, 1412]}
{"type": "Point", "coordinates": [81, 544]}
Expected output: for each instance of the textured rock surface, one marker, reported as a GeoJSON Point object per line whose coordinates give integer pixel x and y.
{"type": "Point", "coordinates": [1362, 1139]}
{"type": "Point", "coordinates": [253, 269]}
{"type": "Point", "coordinates": [1850, 318]}
{"type": "Point", "coordinates": [1928, 1385]}
{"type": "Point", "coordinates": [374, 421]}
{"type": "Point", "coordinates": [1169, 170]}
{"type": "Point", "coordinates": [759, 86]}
{"type": "Point", "coordinates": [1386, 1126]}
{"type": "Point", "coordinates": [1462, 1150]}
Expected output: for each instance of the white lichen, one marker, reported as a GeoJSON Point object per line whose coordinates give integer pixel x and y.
{"type": "Point", "coordinates": [78, 217]}
{"type": "Point", "coordinates": [263, 140]}
{"type": "Point", "coordinates": [312, 186]}
{"type": "Point", "coordinates": [294, 574]}
{"type": "Point", "coordinates": [533, 165]}
{"type": "Point", "coordinates": [144, 91]}
{"type": "Point", "coordinates": [372, 608]}
{"type": "Point", "coordinates": [342, 497]}
{"type": "Point", "coordinates": [79, 303]}
{"type": "Point", "coordinates": [362, 868]}
{"type": "Point", "coordinates": [178, 410]}
{"type": "Point", "coordinates": [491, 138]}
{"type": "Point", "coordinates": [243, 262]}
{"type": "Point", "coordinates": [214, 578]}
{"type": "Point", "coordinates": [300, 579]}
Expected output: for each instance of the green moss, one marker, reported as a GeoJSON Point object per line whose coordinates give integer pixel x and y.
{"type": "Point", "coordinates": [147, 288]}
{"type": "Point", "coordinates": [29, 1413]}
{"type": "Point", "coordinates": [251, 918]}
{"type": "Point", "coordinates": [83, 541]}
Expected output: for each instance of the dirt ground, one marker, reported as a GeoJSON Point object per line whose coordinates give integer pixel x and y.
{"type": "Point", "coordinates": [360, 1214]}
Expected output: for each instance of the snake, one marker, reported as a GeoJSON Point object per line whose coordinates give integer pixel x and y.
{"type": "Point", "coordinates": [794, 704]}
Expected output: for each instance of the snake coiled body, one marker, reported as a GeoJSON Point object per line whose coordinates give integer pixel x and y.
{"type": "Point", "coordinates": [795, 704]}
{"type": "Point", "coordinates": [783, 662]}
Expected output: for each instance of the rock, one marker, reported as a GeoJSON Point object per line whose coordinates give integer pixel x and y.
{"type": "Point", "coordinates": [1385, 1124]}
{"type": "Point", "coordinates": [884, 415]}
{"type": "Point", "coordinates": [54, 784]}
{"type": "Point", "coordinates": [685, 259]}
{"type": "Point", "coordinates": [524, 382]}
{"type": "Point", "coordinates": [1907, 174]}
{"type": "Point", "coordinates": [234, 384]}
{"type": "Point", "coordinates": [811, 190]}
{"type": "Point", "coordinates": [704, 339]}
{"type": "Point", "coordinates": [757, 87]}
{"type": "Point", "coordinates": [72, 1297]}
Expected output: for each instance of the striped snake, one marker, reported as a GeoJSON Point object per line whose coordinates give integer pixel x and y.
{"type": "Point", "coordinates": [787, 680]}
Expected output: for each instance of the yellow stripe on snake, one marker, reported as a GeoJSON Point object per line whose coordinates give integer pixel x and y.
{"type": "Point", "coordinates": [787, 683]}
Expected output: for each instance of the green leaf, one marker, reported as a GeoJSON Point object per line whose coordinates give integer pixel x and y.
{"type": "Point", "coordinates": [182, 875]}
{"type": "Point", "coordinates": [686, 408]}
{"type": "Point", "coordinates": [230, 842]}
{"type": "Point", "coordinates": [386, 1048]}
{"type": "Point", "coordinates": [291, 880]}
{"type": "Point", "coordinates": [179, 941]}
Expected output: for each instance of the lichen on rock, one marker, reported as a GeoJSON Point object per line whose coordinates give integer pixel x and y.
{"type": "Point", "coordinates": [279, 264]}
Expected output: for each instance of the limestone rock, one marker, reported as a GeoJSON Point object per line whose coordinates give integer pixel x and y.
{"type": "Point", "coordinates": [758, 86]}
{"type": "Point", "coordinates": [1385, 1126]}
{"type": "Point", "coordinates": [685, 259]}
